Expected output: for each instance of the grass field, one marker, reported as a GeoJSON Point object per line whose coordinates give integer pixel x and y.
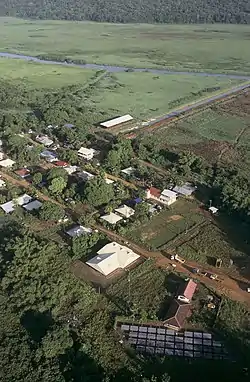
{"type": "Point", "coordinates": [221, 48]}
{"type": "Point", "coordinates": [219, 129]}
{"type": "Point", "coordinates": [34, 75]}
{"type": "Point", "coordinates": [168, 224]}
{"type": "Point", "coordinates": [143, 95]}
{"type": "Point", "coordinates": [147, 95]}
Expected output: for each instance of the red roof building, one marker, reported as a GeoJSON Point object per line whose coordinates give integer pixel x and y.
{"type": "Point", "coordinates": [154, 192]}
{"type": "Point", "coordinates": [61, 163]}
{"type": "Point", "coordinates": [23, 172]}
{"type": "Point", "coordinates": [177, 314]}
{"type": "Point", "coordinates": [186, 291]}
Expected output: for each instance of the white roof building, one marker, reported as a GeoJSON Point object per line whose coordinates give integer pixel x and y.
{"type": "Point", "coordinates": [1, 155]}
{"type": "Point", "coordinates": [85, 175]}
{"type": "Point", "coordinates": [186, 189]}
{"type": "Point", "coordinates": [111, 257]}
{"type": "Point", "coordinates": [34, 205]}
{"type": "Point", "coordinates": [71, 169]}
{"type": "Point", "coordinates": [86, 153]}
{"type": "Point", "coordinates": [128, 171]}
{"type": "Point", "coordinates": [8, 207]}
{"type": "Point", "coordinates": [116, 121]}
{"type": "Point", "coordinates": [125, 211]}
{"type": "Point", "coordinates": [7, 162]}
{"type": "Point", "coordinates": [78, 231]}
{"type": "Point", "coordinates": [44, 140]}
{"type": "Point", "coordinates": [20, 201]}
{"type": "Point", "coordinates": [214, 210]}
{"type": "Point", "coordinates": [23, 199]}
{"type": "Point", "coordinates": [111, 218]}
{"type": "Point", "coordinates": [168, 197]}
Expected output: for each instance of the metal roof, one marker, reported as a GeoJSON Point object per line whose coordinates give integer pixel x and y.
{"type": "Point", "coordinates": [78, 231]}
{"type": "Point", "coordinates": [116, 121]}
{"type": "Point", "coordinates": [111, 257]}
{"type": "Point", "coordinates": [111, 218]}
{"type": "Point", "coordinates": [34, 205]}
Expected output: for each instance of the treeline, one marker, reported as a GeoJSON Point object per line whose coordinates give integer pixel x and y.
{"type": "Point", "coordinates": [138, 11]}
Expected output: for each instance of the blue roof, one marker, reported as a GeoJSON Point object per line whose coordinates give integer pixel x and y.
{"type": "Point", "coordinates": [137, 200]}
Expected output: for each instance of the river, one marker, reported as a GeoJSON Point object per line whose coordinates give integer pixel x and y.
{"type": "Point", "coordinates": [117, 69]}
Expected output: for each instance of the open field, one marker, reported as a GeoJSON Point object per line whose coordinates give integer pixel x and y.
{"type": "Point", "coordinates": [34, 75]}
{"type": "Point", "coordinates": [220, 48]}
{"type": "Point", "coordinates": [221, 131]}
{"type": "Point", "coordinates": [169, 223]}
{"type": "Point", "coordinates": [147, 95]}
{"type": "Point", "coordinates": [143, 95]}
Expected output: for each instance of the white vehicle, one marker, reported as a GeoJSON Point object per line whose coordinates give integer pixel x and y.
{"type": "Point", "coordinates": [177, 258]}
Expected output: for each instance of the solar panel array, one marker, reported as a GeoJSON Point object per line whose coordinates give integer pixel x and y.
{"type": "Point", "coordinates": [162, 341]}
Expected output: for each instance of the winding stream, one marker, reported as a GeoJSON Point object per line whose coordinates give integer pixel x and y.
{"type": "Point", "coordinates": [116, 69]}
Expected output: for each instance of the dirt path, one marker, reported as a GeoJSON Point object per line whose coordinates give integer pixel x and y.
{"type": "Point", "coordinates": [225, 286]}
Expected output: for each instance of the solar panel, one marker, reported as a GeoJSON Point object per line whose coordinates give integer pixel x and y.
{"type": "Point", "coordinates": [155, 340]}
{"type": "Point", "coordinates": [151, 330]}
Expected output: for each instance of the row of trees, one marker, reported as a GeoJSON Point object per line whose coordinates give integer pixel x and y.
{"type": "Point", "coordinates": [146, 11]}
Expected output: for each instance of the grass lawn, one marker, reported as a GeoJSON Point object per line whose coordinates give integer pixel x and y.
{"type": "Point", "coordinates": [34, 75]}
{"type": "Point", "coordinates": [220, 48]}
{"type": "Point", "coordinates": [169, 223]}
{"type": "Point", "coordinates": [147, 95]}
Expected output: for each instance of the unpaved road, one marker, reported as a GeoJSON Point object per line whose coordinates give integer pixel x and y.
{"type": "Point", "coordinates": [225, 286]}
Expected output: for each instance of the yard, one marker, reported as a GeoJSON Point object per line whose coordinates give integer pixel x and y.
{"type": "Point", "coordinates": [226, 240]}
{"type": "Point", "coordinates": [169, 224]}
{"type": "Point", "coordinates": [144, 292]}
{"type": "Point", "coordinates": [220, 48]}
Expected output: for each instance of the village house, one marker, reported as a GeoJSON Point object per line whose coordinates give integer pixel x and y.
{"type": "Point", "coordinates": [186, 291]}
{"type": "Point", "coordinates": [177, 314]}
{"type": "Point", "coordinates": [78, 230]}
{"type": "Point", "coordinates": [23, 172]}
{"type": "Point", "coordinates": [111, 218]}
{"type": "Point", "coordinates": [166, 197]}
{"type": "Point", "coordinates": [20, 201]}
{"type": "Point", "coordinates": [185, 190]}
{"type": "Point", "coordinates": [34, 205]}
{"type": "Point", "coordinates": [85, 153]}
{"type": "Point", "coordinates": [125, 211]}
{"type": "Point", "coordinates": [49, 156]}
{"type": "Point", "coordinates": [85, 175]}
{"type": "Point", "coordinates": [44, 140]}
{"type": "Point", "coordinates": [128, 171]}
{"type": "Point", "coordinates": [112, 257]}
{"type": "Point", "coordinates": [7, 163]}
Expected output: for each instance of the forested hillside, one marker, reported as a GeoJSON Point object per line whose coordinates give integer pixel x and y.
{"type": "Point", "coordinates": [124, 11]}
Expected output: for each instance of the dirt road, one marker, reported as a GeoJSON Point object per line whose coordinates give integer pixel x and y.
{"type": "Point", "coordinates": [225, 286]}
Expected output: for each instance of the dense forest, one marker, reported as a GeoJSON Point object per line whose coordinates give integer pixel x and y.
{"type": "Point", "coordinates": [138, 11]}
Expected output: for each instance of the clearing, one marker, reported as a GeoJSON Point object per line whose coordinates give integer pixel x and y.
{"type": "Point", "coordinates": [219, 48]}
{"type": "Point", "coordinates": [169, 224]}
{"type": "Point", "coordinates": [220, 131]}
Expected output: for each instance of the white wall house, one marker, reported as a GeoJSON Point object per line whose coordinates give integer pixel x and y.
{"type": "Point", "coordinates": [166, 197]}
{"type": "Point", "coordinates": [86, 153]}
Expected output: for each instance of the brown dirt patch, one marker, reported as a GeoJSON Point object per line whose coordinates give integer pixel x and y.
{"type": "Point", "coordinates": [238, 106]}
{"type": "Point", "coordinates": [175, 217]}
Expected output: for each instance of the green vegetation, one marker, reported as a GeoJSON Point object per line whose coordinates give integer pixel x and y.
{"type": "Point", "coordinates": [200, 11]}
{"type": "Point", "coordinates": [219, 48]}
{"type": "Point", "coordinates": [146, 95]}
{"type": "Point", "coordinates": [168, 224]}
{"type": "Point", "coordinates": [141, 293]}
{"type": "Point", "coordinates": [33, 75]}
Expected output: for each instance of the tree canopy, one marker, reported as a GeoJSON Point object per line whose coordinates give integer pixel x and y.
{"type": "Point", "coordinates": [143, 11]}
